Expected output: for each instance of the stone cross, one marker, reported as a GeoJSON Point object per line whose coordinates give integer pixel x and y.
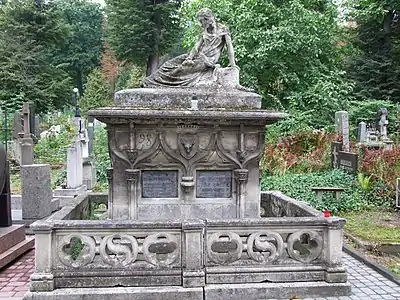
{"type": "Point", "coordinates": [26, 116]}
{"type": "Point", "coordinates": [5, 194]}
{"type": "Point", "coordinates": [342, 128]}
{"type": "Point", "coordinates": [27, 142]}
{"type": "Point", "coordinates": [336, 147]}
{"type": "Point", "coordinates": [362, 132]}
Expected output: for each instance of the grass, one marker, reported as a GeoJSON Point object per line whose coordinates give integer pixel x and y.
{"type": "Point", "coordinates": [376, 226]}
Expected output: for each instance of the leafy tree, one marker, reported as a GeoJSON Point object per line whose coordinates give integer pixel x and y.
{"type": "Point", "coordinates": [375, 67]}
{"type": "Point", "coordinates": [140, 31]}
{"type": "Point", "coordinates": [30, 32]}
{"type": "Point", "coordinates": [287, 51]}
{"type": "Point", "coordinates": [83, 49]}
{"type": "Point", "coordinates": [97, 92]}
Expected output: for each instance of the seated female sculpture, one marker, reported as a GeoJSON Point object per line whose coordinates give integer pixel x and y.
{"type": "Point", "coordinates": [198, 67]}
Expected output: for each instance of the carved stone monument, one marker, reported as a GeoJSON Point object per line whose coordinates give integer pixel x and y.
{"type": "Point", "coordinates": [184, 200]}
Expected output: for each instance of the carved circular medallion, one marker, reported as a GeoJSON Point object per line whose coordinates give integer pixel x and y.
{"type": "Point", "coordinates": [264, 246]}
{"type": "Point", "coordinates": [224, 247]}
{"type": "Point", "coordinates": [304, 246]}
{"type": "Point", "coordinates": [76, 250]}
{"type": "Point", "coordinates": [161, 249]}
{"type": "Point", "coordinates": [119, 250]}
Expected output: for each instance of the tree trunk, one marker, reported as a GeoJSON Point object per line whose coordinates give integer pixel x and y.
{"type": "Point", "coordinates": [152, 63]}
{"type": "Point", "coordinates": [387, 31]}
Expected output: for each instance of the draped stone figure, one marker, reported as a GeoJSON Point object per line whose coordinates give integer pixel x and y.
{"type": "Point", "coordinates": [5, 201]}
{"type": "Point", "coordinates": [199, 67]}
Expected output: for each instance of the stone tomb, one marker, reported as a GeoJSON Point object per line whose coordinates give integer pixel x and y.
{"type": "Point", "coordinates": [182, 163]}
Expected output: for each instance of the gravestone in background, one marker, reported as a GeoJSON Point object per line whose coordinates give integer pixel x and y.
{"type": "Point", "coordinates": [342, 128]}
{"type": "Point", "coordinates": [5, 197]}
{"type": "Point", "coordinates": [362, 132]}
{"type": "Point", "coordinates": [336, 147]}
{"type": "Point", "coordinates": [348, 162]}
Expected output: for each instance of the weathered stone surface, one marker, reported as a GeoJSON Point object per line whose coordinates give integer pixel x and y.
{"type": "Point", "coordinates": [183, 97]}
{"type": "Point", "coordinates": [260, 291]}
{"type": "Point", "coordinates": [119, 293]}
{"type": "Point", "coordinates": [125, 115]}
{"type": "Point", "coordinates": [36, 191]}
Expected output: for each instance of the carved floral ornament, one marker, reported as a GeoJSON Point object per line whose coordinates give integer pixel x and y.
{"type": "Point", "coordinates": [264, 246]}
{"type": "Point", "coordinates": [119, 250]}
{"type": "Point", "coordinates": [143, 146]}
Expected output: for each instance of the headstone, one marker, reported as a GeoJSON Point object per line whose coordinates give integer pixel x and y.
{"type": "Point", "coordinates": [362, 132]}
{"type": "Point", "coordinates": [16, 139]}
{"type": "Point", "coordinates": [26, 142]}
{"type": "Point", "coordinates": [342, 128]}
{"type": "Point", "coordinates": [74, 166]}
{"type": "Point", "coordinates": [36, 192]}
{"type": "Point", "coordinates": [214, 184]}
{"type": "Point", "coordinates": [5, 194]}
{"type": "Point", "coordinates": [90, 131]}
{"type": "Point", "coordinates": [159, 184]}
{"type": "Point", "coordinates": [348, 161]}
{"type": "Point", "coordinates": [335, 148]}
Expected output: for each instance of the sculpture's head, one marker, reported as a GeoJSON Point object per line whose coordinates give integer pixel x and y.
{"type": "Point", "coordinates": [206, 17]}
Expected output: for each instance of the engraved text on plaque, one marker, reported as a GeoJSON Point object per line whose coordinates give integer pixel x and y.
{"type": "Point", "coordinates": [160, 184]}
{"type": "Point", "coordinates": [214, 184]}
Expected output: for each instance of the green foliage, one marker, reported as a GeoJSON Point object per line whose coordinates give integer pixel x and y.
{"type": "Point", "coordinates": [366, 111]}
{"type": "Point", "coordinates": [364, 181]}
{"type": "Point", "coordinates": [299, 187]}
{"type": "Point", "coordinates": [375, 66]}
{"type": "Point", "coordinates": [101, 157]}
{"type": "Point", "coordinates": [140, 31]}
{"type": "Point", "coordinates": [287, 51]}
{"type": "Point", "coordinates": [130, 77]}
{"type": "Point", "coordinates": [53, 149]}
{"type": "Point", "coordinates": [30, 33]}
{"type": "Point", "coordinates": [81, 54]}
{"type": "Point", "coordinates": [97, 93]}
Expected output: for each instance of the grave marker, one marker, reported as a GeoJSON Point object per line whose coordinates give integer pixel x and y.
{"type": "Point", "coordinates": [27, 142]}
{"type": "Point", "coordinates": [214, 184]}
{"type": "Point", "coordinates": [336, 147]}
{"type": "Point", "coordinates": [348, 161]}
{"type": "Point", "coordinates": [159, 184]}
{"type": "Point", "coordinates": [362, 132]}
{"type": "Point", "coordinates": [342, 128]}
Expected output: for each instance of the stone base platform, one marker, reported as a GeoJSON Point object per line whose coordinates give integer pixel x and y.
{"type": "Point", "coordinates": [13, 243]}
{"type": "Point", "coordinates": [258, 291]}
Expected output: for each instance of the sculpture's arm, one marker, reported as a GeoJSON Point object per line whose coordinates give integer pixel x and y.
{"type": "Point", "coordinates": [231, 52]}
{"type": "Point", "coordinates": [196, 48]}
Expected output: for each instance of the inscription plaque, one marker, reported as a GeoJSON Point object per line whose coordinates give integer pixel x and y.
{"type": "Point", "coordinates": [214, 184]}
{"type": "Point", "coordinates": [160, 184]}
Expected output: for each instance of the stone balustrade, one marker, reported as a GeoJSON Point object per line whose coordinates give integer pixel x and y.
{"type": "Point", "coordinates": [195, 253]}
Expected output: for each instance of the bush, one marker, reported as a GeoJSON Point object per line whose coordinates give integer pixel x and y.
{"type": "Point", "coordinates": [304, 152]}
{"type": "Point", "coordinates": [382, 165]}
{"type": "Point", "coordinates": [354, 198]}
{"type": "Point", "coordinates": [97, 92]}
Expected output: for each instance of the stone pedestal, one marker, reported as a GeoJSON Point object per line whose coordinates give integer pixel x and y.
{"type": "Point", "coordinates": [36, 192]}
{"type": "Point", "coordinates": [175, 160]}
{"type": "Point", "coordinates": [74, 166]}
{"type": "Point", "coordinates": [89, 173]}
